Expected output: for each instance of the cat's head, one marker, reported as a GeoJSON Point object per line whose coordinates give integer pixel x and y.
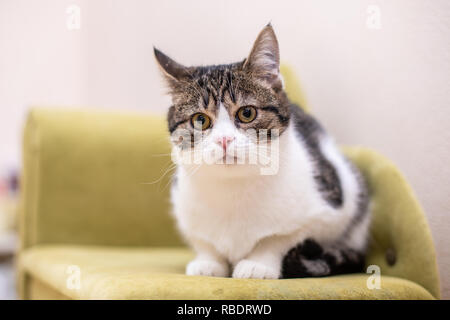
{"type": "Point", "coordinates": [224, 110]}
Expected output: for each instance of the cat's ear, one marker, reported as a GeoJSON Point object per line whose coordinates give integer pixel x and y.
{"type": "Point", "coordinates": [172, 70]}
{"type": "Point", "coordinates": [264, 59]}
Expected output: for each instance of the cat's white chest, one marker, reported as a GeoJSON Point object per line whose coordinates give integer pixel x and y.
{"type": "Point", "coordinates": [235, 219]}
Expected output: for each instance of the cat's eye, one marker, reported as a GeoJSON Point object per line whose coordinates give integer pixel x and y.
{"type": "Point", "coordinates": [246, 114]}
{"type": "Point", "coordinates": [201, 120]}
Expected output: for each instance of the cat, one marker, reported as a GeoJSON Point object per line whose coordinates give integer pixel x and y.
{"type": "Point", "coordinates": [308, 218]}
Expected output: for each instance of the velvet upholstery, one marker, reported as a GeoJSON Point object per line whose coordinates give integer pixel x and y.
{"type": "Point", "coordinates": [157, 273]}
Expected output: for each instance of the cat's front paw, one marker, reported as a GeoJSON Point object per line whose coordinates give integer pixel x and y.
{"type": "Point", "coordinates": [249, 269]}
{"type": "Point", "coordinates": [209, 268]}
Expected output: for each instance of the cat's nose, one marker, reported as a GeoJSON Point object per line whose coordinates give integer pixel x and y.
{"type": "Point", "coordinates": [224, 141]}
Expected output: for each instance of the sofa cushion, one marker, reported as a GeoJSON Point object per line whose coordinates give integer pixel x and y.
{"type": "Point", "coordinates": [158, 273]}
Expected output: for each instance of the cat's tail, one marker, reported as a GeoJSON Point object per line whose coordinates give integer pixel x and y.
{"type": "Point", "coordinates": [309, 259]}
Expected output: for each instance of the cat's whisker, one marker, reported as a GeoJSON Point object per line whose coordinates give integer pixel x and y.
{"type": "Point", "coordinates": [190, 172]}
{"type": "Point", "coordinates": [161, 155]}
{"type": "Point", "coordinates": [170, 168]}
{"type": "Point", "coordinates": [168, 183]}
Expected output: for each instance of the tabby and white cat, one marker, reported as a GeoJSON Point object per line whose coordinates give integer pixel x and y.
{"type": "Point", "coordinates": [310, 218]}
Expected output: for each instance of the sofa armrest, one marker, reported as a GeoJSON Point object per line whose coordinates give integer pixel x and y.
{"type": "Point", "coordinates": [92, 177]}
{"type": "Point", "coordinates": [401, 244]}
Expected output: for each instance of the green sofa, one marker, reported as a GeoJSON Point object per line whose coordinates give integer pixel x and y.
{"type": "Point", "coordinates": [95, 222]}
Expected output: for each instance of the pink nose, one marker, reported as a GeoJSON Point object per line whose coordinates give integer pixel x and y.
{"type": "Point", "coordinates": [224, 142]}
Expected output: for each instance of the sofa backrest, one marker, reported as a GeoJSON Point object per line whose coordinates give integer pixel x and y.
{"type": "Point", "coordinates": [100, 178]}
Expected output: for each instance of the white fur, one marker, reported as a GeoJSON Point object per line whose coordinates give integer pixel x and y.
{"type": "Point", "coordinates": [230, 214]}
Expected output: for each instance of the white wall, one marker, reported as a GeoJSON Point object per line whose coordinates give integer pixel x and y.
{"type": "Point", "coordinates": [41, 62]}
{"type": "Point", "coordinates": [387, 88]}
